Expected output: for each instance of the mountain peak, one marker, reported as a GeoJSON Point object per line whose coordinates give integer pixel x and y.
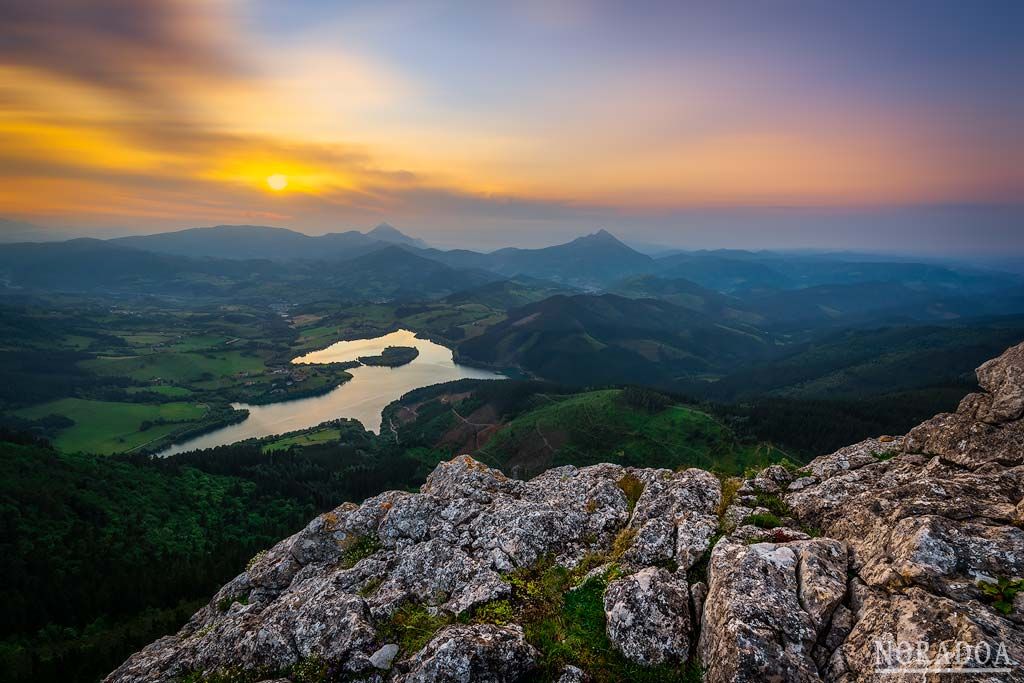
{"type": "Point", "coordinates": [385, 232]}
{"type": "Point", "coordinates": [602, 236]}
{"type": "Point", "coordinates": [386, 229]}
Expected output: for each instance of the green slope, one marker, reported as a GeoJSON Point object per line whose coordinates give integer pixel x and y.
{"type": "Point", "coordinates": [629, 426]}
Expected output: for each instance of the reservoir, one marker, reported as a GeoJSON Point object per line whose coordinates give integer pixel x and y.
{"type": "Point", "coordinates": [363, 397]}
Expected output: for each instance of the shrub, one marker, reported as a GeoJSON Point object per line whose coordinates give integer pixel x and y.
{"type": "Point", "coordinates": [730, 485]}
{"type": "Point", "coordinates": [224, 604]}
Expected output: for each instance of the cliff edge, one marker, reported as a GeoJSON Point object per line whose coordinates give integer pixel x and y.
{"type": "Point", "coordinates": [897, 554]}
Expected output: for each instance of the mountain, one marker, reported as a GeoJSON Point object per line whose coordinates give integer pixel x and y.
{"type": "Point", "coordinates": [872, 304]}
{"type": "Point", "coordinates": [591, 339]}
{"type": "Point", "coordinates": [261, 242]}
{"type": "Point", "coordinates": [392, 235]}
{"type": "Point", "coordinates": [90, 264]}
{"type": "Point", "coordinates": [394, 272]}
{"type": "Point", "coordinates": [86, 265]}
{"type": "Point", "coordinates": [747, 272]}
{"type": "Point", "coordinates": [614, 573]}
{"type": "Point", "coordinates": [588, 260]}
{"type": "Point", "coordinates": [591, 261]}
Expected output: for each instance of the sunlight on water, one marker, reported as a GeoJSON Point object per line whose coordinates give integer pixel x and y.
{"type": "Point", "coordinates": [362, 398]}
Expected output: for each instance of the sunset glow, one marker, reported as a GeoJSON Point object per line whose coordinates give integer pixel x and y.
{"type": "Point", "coordinates": [188, 111]}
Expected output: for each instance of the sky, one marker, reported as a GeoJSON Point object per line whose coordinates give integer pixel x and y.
{"type": "Point", "coordinates": [890, 126]}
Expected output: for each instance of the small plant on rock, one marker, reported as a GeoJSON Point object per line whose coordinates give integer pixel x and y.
{"type": "Point", "coordinates": [763, 521]}
{"type": "Point", "coordinates": [412, 626]}
{"type": "Point", "coordinates": [497, 612]}
{"type": "Point", "coordinates": [1001, 592]}
{"type": "Point", "coordinates": [632, 487]}
{"type": "Point", "coordinates": [358, 547]}
{"type": "Point", "coordinates": [775, 504]}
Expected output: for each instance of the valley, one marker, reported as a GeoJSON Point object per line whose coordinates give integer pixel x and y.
{"type": "Point", "coordinates": [281, 384]}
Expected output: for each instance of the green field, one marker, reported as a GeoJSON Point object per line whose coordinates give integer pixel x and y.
{"type": "Point", "coordinates": [305, 439]}
{"type": "Point", "coordinates": [176, 367]}
{"type": "Point", "coordinates": [107, 427]}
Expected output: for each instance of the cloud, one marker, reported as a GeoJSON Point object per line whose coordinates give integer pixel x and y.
{"type": "Point", "coordinates": [131, 47]}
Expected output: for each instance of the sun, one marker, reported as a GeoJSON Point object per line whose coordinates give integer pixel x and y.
{"type": "Point", "coordinates": [277, 182]}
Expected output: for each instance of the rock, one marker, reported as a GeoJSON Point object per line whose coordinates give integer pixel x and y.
{"type": "Point", "coordinates": [986, 428]}
{"type": "Point", "coordinates": [572, 674]}
{"type": "Point", "coordinates": [1003, 379]}
{"type": "Point", "coordinates": [464, 477]}
{"type": "Point", "coordinates": [767, 606]}
{"type": "Point", "coordinates": [850, 458]}
{"type": "Point", "coordinates": [884, 540]}
{"type": "Point", "coordinates": [484, 653]}
{"type": "Point", "coordinates": [693, 537]}
{"type": "Point", "coordinates": [382, 658]}
{"type": "Point", "coordinates": [648, 616]}
{"type": "Point", "coordinates": [675, 517]}
{"type": "Point", "coordinates": [915, 616]}
{"type": "Point", "coordinates": [773, 479]}
{"type": "Point", "coordinates": [698, 595]}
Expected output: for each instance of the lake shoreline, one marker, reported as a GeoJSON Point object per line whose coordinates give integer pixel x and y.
{"type": "Point", "coordinates": [362, 398]}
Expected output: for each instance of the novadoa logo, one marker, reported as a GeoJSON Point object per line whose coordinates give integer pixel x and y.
{"type": "Point", "coordinates": [946, 657]}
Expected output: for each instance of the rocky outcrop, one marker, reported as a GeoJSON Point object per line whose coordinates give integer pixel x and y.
{"type": "Point", "coordinates": [485, 653]}
{"type": "Point", "coordinates": [649, 616]}
{"type": "Point", "coordinates": [894, 554]}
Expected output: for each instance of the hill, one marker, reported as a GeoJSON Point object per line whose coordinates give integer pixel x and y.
{"type": "Point", "coordinates": [588, 339]}
{"type": "Point", "coordinates": [687, 294]}
{"type": "Point", "coordinates": [858, 363]}
{"type": "Point", "coordinates": [394, 272]}
{"type": "Point", "coordinates": [526, 429]}
{"type": "Point", "coordinates": [89, 265]}
{"type": "Point", "coordinates": [507, 294]}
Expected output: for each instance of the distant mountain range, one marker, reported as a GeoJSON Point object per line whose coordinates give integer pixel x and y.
{"type": "Point", "coordinates": [274, 244]}
{"type": "Point", "coordinates": [591, 311]}
{"type": "Point", "coordinates": [756, 291]}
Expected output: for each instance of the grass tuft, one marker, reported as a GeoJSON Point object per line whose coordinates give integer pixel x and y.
{"type": "Point", "coordinates": [632, 487]}
{"type": "Point", "coordinates": [763, 521]}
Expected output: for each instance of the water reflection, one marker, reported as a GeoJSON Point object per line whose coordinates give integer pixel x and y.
{"type": "Point", "coordinates": [363, 397]}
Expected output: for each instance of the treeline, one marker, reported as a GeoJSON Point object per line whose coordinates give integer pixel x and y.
{"type": "Point", "coordinates": [812, 427]}
{"type": "Point", "coordinates": [102, 555]}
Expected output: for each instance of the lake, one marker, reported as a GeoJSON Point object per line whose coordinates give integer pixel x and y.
{"type": "Point", "coordinates": [363, 397]}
